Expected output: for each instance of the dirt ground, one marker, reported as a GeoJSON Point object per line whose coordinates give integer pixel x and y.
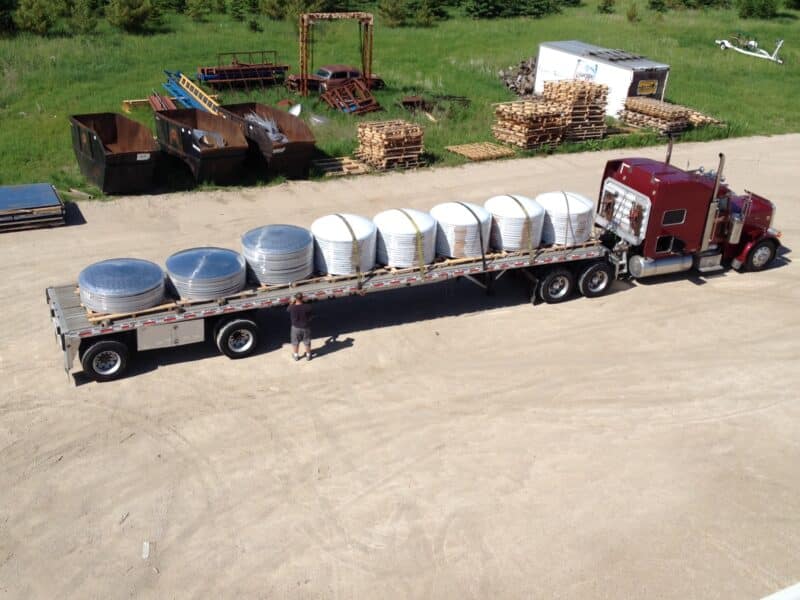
{"type": "Point", "coordinates": [444, 444]}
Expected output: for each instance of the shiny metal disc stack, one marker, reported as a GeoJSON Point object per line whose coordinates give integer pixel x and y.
{"type": "Point", "coordinates": [334, 250]}
{"type": "Point", "coordinates": [206, 273]}
{"type": "Point", "coordinates": [516, 222]}
{"type": "Point", "coordinates": [402, 235]}
{"type": "Point", "coordinates": [458, 234]}
{"type": "Point", "coordinates": [568, 218]}
{"type": "Point", "coordinates": [121, 285]}
{"type": "Point", "coordinates": [279, 254]}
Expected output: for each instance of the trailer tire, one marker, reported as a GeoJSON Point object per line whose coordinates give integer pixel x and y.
{"type": "Point", "coordinates": [595, 280]}
{"type": "Point", "coordinates": [557, 286]}
{"type": "Point", "coordinates": [237, 338]}
{"type": "Point", "coordinates": [760, 255]}
{"type": "Point", "coordinates": [105, 360]}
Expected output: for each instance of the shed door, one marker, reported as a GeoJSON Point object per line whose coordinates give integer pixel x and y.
{"type": "Point", "coordinates": [649, 82]}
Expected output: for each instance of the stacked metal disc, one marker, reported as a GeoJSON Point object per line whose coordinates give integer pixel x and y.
{"type": "Point", "coordinates": [568, 218]}
{"type": "Point", "coordinates": [121, 285]}
{"type": "Point", "coordinates": [405, 236]}
{"type": "Point", "coordinates": [206, 273]}
{"type": "Point", "coordinates": [461, 227]}
{"type": "Point", "coordinates": [279, 254]}
{"type": "Point", "coordinates": [517, 222]}
{"type": "Point", "coordinates": [343, 243]}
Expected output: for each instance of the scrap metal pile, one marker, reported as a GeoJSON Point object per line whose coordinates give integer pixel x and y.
{"type": "Point", "coordinates": [585, 104]}
{"type": "Point", "coordinates": [520, 79]}
{"type": "Point", "coordinates": [392, 144]}
{"type": "Point", "coordinates": [530, 124]}
{"type": "Point", "coordinates": [353, 97]}
{"type": "Point", "coordinates": [665, 118]}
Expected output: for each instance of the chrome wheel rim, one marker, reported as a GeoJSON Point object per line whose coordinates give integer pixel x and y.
{"type": "Point", "coordinates": [761, 256]}
{"type": "Point", "coordinates": [107, 362]}
{"type": "Point", "coordinates": [558, 287]}
{"type": "Point", "coordinates": [240, 340]}
{"type": "Point", "coordinates": [598, 281]}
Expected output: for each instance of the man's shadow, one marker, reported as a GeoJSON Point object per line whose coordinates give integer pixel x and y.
{"type": "Point", "coordinates": [332, 344]}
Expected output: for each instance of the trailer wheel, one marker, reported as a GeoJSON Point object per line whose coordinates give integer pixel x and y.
{"type": "Point", "coordinates": [760, 255]}
{"type": "Point", "coordinates": [105, 360]}
{"type": "Point", "coordinates": [557, 286]}
{"type": "Point", "coordinates": [595, 280]}
{"type": "Point", "coordinates": [237, 338]}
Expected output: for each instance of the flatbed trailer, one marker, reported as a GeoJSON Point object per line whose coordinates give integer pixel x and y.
{"type": "Point", "coordinates": [104, 342]}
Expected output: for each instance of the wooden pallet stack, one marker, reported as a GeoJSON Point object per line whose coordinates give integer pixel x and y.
{"type": "Point", "coordinates": [530, 124]}
{"type": "Point", "coordinates": [395, 144]}
{"type": "Point", "coordinates": [648, 113]}
{"type": "Point", "coordinates": [585, 104]}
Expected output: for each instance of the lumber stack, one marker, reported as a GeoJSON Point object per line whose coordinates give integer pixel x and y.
{"type": "Point", "coordinates": [585, 103]}
{"type": "Point", "coordinates": [395, 144]}
{"type": "Point", "coordinates": [664, 117]}
{"type": "Point", "coordinates": [530, 124]}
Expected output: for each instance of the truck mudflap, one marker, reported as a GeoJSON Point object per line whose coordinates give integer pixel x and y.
{"type": "Point", "coordinates": [769, 234]}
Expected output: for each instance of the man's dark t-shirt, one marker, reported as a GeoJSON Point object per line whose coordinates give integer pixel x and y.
{"type": "Point", "coordinates": [300, 315]}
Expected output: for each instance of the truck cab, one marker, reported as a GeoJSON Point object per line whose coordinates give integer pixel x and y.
{"type": "Point", "coordinates": [663, 219]}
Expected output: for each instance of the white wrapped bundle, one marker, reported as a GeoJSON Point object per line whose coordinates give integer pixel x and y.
{"type": "Point", "coordinates": [461, 226]}
{"type": "Point", "coordinates": [334, 236]}
{"type": "Point", "coordinates": [517, 222]}
{"type": "Point", "coordinates": [402, 234]}
{"type": "Point", "coordinates": [568, 218]}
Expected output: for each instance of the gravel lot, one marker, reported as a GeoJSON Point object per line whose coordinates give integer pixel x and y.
{"type": "Point", "coordinates": [444, 445]}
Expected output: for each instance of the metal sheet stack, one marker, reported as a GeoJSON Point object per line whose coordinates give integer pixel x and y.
{"type": "Point", "coordinates": [461, 227]}
{"type": "Point", "coordinates": [568, 218]}
{"type": "Point", "coordinates": [206, 273]}
{"type": "Point", "coordinates": [279, 254]}
{"type": "Point", "coordinates": [121, 285]}
{"type": "Point", "coordinates": [585, 105]}
{"type": "Point", "coordinates": [517, 222]}
{"type": "Point", "coordinates": [664, 117]}
{"type": "Point", "coordinates": [395, 144]}
{"type": "Point", "coordinates": [530, 124]}
{"type": "Point", "coordinates": [406, 237]}
{"type": "Point", "coordinates": [345, 244]}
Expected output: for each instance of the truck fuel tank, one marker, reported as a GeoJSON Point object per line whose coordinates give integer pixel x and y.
{"type": "Point", "coordinates": [639, 266]}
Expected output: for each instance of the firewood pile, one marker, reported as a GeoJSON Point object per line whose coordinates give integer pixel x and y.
{"type": "Point", "coordinates": [392, 144]}
{"type": "Point", "coordinates": [585, 104]}
{"type": "Point", "coordinates": [698, 119]}
{"type": "Point", "coordinates": [648, 113]}
{"type": "Point", "coordinates": [520, 79]}
{"type": "Point", "coordinates": [530, 124]}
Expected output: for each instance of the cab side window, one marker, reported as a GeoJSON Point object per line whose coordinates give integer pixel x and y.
{"type": "Point", "coordinates": [674, 217]}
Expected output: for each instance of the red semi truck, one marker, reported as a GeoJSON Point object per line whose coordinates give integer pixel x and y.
{"type": "Point", "coordinates": [652, 219]}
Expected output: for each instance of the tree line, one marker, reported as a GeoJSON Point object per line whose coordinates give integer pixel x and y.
{"type": "Point", "coordinates": [43, 17]}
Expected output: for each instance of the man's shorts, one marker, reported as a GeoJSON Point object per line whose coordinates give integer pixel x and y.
{"type": "Point", "coordinates": [301, 334]}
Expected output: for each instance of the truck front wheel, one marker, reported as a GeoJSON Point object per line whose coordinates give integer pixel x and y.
{"type": "Point", "coordinates": [760, 255]}
{"type": "Point", "coordinates": [105, 360]}
{"type": "Point", "coordinates": [237, 338]}
{"type": "Point", "coordinates": [595, 280]}
{"type": "Point", "coordinates": [557, 286]}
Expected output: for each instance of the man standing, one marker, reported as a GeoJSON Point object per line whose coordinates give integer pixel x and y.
{"type": "Point", "coordinates": [300, 314]}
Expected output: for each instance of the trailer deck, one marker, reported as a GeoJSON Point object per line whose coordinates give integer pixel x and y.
{"type": "Point", "coordinates": [73, 322]}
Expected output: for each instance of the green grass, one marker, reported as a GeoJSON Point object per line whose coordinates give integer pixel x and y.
{"type": "Point", "coordinates": [45, 80]}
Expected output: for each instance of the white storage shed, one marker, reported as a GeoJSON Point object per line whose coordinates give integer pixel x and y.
{"type": "Point", "coordinates": [624, 73]}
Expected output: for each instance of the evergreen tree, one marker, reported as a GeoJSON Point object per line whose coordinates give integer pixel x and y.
{"type": "Point", "coordinates": [487, 9]}
{"type": "Point", "coordinates": [36, 16]}
{"type": "Point", "coordinates": [7, 16]}
{"type": "Point", "coordinates": [84, 16]}
{"type": "Point", "coordinates": [393, 12]}
{"type": "Point", "coordinates": [198, 10]}
{"type": "Point", "coordinates": [132, 15]}
{"type": "Point", "coordinates": [238, 8]}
